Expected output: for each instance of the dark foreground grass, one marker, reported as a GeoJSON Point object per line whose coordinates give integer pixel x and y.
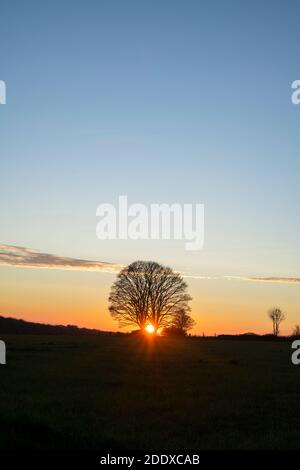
{"type": "Point", "coordinates": [129, 393]}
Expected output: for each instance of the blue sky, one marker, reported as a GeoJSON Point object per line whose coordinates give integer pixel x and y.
{"type": "Point", "coordinates": [164, 101]}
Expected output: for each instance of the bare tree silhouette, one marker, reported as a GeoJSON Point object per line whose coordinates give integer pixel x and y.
{"type": "Point", "coordinates": [277, 316]}
{"type": "Point", "coordinates": [147, 292]}
{"type": "Point", "coordinates": [181, 323]}
{"type": "Point", "coordinates": [296, 330]}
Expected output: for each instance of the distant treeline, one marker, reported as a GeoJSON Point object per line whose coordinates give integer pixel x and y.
{"type": "Point", "coordinates": [14, 326]}
{"type": "Point", "coordinates": [249, 337]}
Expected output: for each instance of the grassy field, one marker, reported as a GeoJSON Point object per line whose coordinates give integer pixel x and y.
{"type": "Point", "coordinates": [131, 393]}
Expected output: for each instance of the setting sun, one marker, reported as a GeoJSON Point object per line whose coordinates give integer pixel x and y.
{"type": "Point", "coordinates": [150, 328]}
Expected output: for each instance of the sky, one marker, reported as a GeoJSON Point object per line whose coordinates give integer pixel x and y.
{"type": "Point", "coordinates": [162, 101]}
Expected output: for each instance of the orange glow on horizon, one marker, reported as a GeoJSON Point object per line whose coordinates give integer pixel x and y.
{"type": "Point", "coordinates": [79, 298]}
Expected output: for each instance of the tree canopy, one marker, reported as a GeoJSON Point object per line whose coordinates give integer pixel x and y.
{"type": "Point", "coordinates": [147, 292]}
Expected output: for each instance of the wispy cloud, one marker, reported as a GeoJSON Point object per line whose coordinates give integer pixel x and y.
{"type": "Point", "coordinates": [283, 280]}
{"type": "Point", "coordinates": [27, 258]}
{"type": "Point", "coordinates": [21, 257]}
{"type": "Point", "coordinates": [198, 276]}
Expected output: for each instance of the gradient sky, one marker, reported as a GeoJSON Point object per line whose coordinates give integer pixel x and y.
{"type": "Point", "coordinates": [164, 101]}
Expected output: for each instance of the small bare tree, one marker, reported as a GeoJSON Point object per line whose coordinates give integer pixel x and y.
{"type": "Point", "coordinates": [277, 316]}
{"type": "Point", "coordinates": [147, 292]}
{"type": "Point", "coordinates": [182, 322]}
{"type": "Point", "coordinates": [296, 330]}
